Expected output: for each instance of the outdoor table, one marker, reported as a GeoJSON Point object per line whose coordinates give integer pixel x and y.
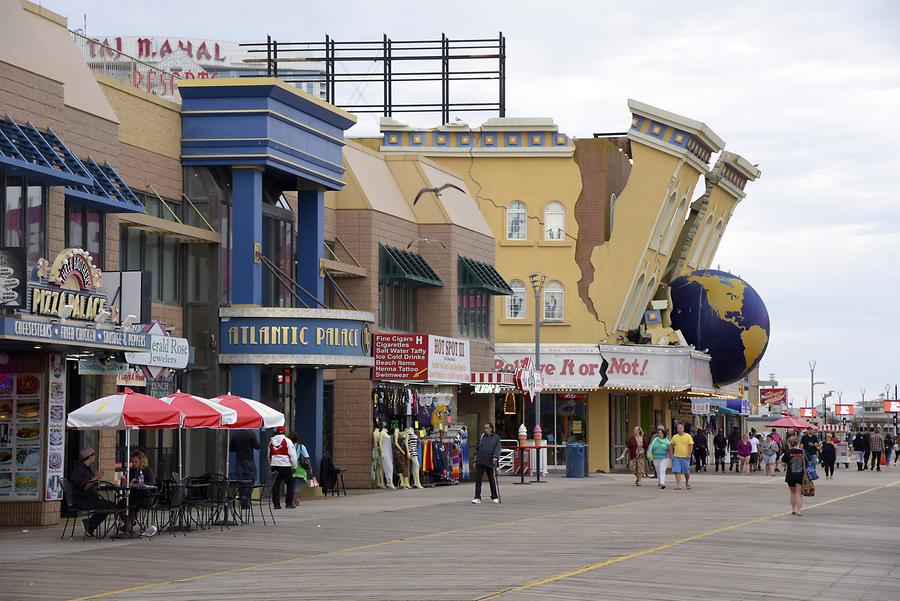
{"type": "Point", "coordinates": [521, 450]}
{"type": "Point", "coordinates": [123, 499]}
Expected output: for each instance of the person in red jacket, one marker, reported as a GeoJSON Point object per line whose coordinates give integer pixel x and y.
{"type": "Point", "coordinates": [283, 460]}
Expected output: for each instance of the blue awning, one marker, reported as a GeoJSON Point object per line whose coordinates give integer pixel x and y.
{"type": "Point", "coordinates": [41, 156]}
{"type": "Point", "coordinates": [106, 192]}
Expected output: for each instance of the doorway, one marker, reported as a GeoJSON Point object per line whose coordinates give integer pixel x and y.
{"type": "Point", "coordinates": [618, 428]}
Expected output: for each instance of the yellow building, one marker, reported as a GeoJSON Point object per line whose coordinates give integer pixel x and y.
{"type": "Point", "coordinates": [610, 220]}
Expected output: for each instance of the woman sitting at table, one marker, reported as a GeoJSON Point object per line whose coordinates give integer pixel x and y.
{"type": "Point", "coordinates": [140, 470]}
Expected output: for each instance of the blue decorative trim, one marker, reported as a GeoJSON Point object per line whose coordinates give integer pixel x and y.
{"type": "Point", "coordinates": [636, 122]}
{"type": "Point", "coordinates": [417, 134]}
{"type": "Point", "coordinates": [393, 138]}
{"type": "Point", "coordinates": [463, 134]}
{"type": "Point", "coordinates": [653, 125]}
{"type": "Point", "coordinates": [436, 135]}
{"type": "Point", "coordinates": [683, 135]}
{"type": "Point", "coordinates": [489, 139]}
{"type": "Point", "coordinates": [560, 139]}
{"type": "Point", "coordinates": [537, 134]}
{"type": "Point", "coordinates": [515, 143]}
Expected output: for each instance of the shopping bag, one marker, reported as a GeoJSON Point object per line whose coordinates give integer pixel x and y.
{"type": "Point", "coordinates": [807, 488]}
{"type": "Point", "coordinates": [883, 459]}
{"type": "Point", "coordinates": [313, 482]}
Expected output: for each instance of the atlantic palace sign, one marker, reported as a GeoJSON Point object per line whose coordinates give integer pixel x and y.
{"type": "Point", "coordinates": [272, 335]}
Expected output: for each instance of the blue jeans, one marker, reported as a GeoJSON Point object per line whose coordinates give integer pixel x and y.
{"type": "Point", "coordinates": [246, 471]}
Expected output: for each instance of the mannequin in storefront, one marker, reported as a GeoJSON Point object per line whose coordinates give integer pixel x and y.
{"type": "Point", "coordinates": [401, 460]}
{"type": "Point", "coordinates": [377, 465]}
{"type": "Point", "coordinates": [387, 461]}
{"type": "Point", "coordinates": [411, 442]}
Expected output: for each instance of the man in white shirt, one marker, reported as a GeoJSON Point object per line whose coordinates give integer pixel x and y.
{"type": "Point", "coordinates": [754, 451]}
{"type": "Point", "coordinates": [283, 460]}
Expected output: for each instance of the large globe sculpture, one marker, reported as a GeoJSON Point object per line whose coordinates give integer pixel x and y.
{"type": "Point", "coordinates": [721, 312]}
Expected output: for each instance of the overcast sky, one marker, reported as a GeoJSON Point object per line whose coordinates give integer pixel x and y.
{"type": "Point", "coordinates": [808, 90]}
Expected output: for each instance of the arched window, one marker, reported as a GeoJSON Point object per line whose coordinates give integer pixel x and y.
{"type": "Point", "coordinates": [701, 241]}
{"type": "Point", "coordinates": [632, 301]}
{"type": "Point", "coordinates": [643, 300]}
{"type": "Point", "coordinates": [554, 301]}
{"type": "Point", "coordinates": [711, 246]}
{"type": "Point", "coordinates": [664, 217]}
{"type": "Point", "coordinates": [554, 221]}
{"type": "Point", "coordinates": [517, 221]}
{"type": "Point", "coordinates": [612, 214]}
{"type": "Point", "coordinates": [515, 302]}
{"type": "Point", "coordinates": [674, 226]}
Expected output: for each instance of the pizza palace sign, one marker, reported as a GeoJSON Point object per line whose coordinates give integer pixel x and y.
{"type": "Point", "coordinates": [72, 280]}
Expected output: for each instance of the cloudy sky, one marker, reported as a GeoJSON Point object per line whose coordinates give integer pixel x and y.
{"type": "Point", "coordinates": [808, 90]}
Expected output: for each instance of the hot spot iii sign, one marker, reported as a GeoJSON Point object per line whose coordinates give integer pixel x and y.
{"type": "Point", "coordinates": [68, 288]}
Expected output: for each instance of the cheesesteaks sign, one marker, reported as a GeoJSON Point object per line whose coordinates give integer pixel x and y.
{"type": "Point", "coordinates": [271, 335]}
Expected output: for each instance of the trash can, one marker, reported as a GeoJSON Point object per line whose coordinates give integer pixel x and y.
{"type": "Point", "coordinates": [575, 460]}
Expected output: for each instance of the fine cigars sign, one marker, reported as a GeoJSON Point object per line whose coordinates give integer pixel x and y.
{"type": "Point", "coordinates": [68, 288]}
{"type": "Point", "coordinates": [421, 358]}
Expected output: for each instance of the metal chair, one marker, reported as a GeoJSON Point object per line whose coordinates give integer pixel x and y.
{"type": "Point", "coordinates": [262, 496]}
{"type": "Point", "coordinates": [70, 512]}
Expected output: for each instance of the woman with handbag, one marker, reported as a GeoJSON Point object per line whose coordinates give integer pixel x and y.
{"type": "Point", "coordinates": [636, 450]}
{"type": "Point", "coordinates": [794, 460]}
{"type": "Point", "coordinates": [303, 472]}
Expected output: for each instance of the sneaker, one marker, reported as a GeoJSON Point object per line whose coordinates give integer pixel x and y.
{"type": "Point", "coordinates": [495, 501]}
{"type": "Point", "coordinates": [476, 501]}
{"type": "Point", "coordinates": [87, 529]}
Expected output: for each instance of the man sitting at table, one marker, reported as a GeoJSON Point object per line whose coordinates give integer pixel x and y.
{"type": "Point", "coordinates": [84, 491]}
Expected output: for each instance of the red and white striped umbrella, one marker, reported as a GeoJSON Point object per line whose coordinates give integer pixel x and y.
{"type": "Point", "coordinates": [124, 410]}
{"type": "Point", "coordinates": [199, 412]}
{"type": "Point", "coordinates": [250, 414]}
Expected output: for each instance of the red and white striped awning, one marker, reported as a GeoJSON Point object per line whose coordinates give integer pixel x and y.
{"type": "Point", "coordinates": [835, 428]}
{"type": "Point", "coordinates": [493, 377]}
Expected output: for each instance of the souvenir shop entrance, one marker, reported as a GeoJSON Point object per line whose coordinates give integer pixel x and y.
{"type": "Point", "coordinates": [563, 421]}
{"type": "Point", "coordinates": [417, 422]}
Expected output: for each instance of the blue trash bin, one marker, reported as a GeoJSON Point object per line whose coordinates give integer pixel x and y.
{"type": "Point", "coordinates": [575, 460]}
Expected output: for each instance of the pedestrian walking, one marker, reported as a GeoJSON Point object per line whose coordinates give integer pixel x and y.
{"type": "Point", "coordinates": [660, 452]}
{"type": "Point", "coordinates": [768, 450]}
{"type": "Point", "coordinates": [859, 449]}
{"type": "Point", "coordinates": [733, 439]}
{"type": "Point", "coordinates": [701, 450]}
{"type": "Point", "coordinates": [876, 443]}
{"type": "Point", "coordinates": [283, 461]}
{"type": "Point", "coordinates": [682, 449]}
{"type": "Point", "coordinates": [888, 448]}
{"type": "Point", "coordinates": [244, 443]}
{"type": "Point", "coordinates": [754, 450]}
{"type": "Point", "coordinates": [829, 456]}
{"type": "Point", "coordinates": [794, 461]}
{"type": "Point", "coordinates": [487, 456]}
{"type": "Point", "coordinates": [636, 451]}
{"type": "Point", "coordinates": [867, 443]}
{"type": "Point", "coordinates": [303, 471]}
{"type": "Point", "coordinates": [744, 449]}
{"type": "Point", "coordinates": [777, 438]}
{"type": "Point", "coordinates": [811, 446]}
{"type": "Point", "coordinates": [720, 446]}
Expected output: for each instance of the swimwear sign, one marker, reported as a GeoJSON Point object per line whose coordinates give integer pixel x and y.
{"type": "Point", "coordinates": [421, 358]}
{"type": "Point", "coordinates": [892, 406]}
{"type": "Point", "coordinates": [271, 335]}
{"type": "Point", "coordinates": [843, 410]}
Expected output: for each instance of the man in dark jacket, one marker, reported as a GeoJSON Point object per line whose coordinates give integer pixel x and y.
{"type": "Point", "coordinates": [701, 450]}
{"type": "Point", "coordinates": [720, 443]}
{"type": "Point", "coordinates": [487, 456]}
{"type": "Point", "coordinates": [84, 491]}
{"type": "Point", "coordinates": [733, 439]}
{"type": "Point", "coordinates": [244, 443]}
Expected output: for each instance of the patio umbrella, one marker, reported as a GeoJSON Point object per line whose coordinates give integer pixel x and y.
{"type": "Point", "coordinates": [198, 412]}
{"type": "Point", "coordinates": [127, 411]}
{"type": "Point", "coordinates": [251, 415]}
{"type": "Point", "coordinates": [792, 422]}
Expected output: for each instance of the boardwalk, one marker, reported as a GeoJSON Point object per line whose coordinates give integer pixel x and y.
{"type": "Point", "coordinates": [598, 538]}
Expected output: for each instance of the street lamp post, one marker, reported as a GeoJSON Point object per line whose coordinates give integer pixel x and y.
{"type": "Point", "coordinates": [537, 285]}
{"type": "Point", "coordinates": [812, 385]}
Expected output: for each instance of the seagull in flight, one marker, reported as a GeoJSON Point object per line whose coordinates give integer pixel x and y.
{"type": "Point", "coordinates": [436, 191]}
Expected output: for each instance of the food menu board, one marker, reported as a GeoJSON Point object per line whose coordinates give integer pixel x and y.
{"type": "Point", "coordinates": [20, 436]}
{"type": "Point", "coordinates": [56, 424]}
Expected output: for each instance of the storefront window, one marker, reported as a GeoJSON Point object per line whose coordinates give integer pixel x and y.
{"type": "Point", "coordinates": [85, 229]}
{"type": "Point", "coordinates": [23, 217]}
{"type": "Point", "coordinates": [157, 254]}
{"type": "Point", "coordinates": [474, 313]}
{"type": "Point", "coordinates": [397, 306]}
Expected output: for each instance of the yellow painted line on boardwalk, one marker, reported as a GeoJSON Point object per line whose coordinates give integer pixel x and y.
{"type": "Point", "coordinates": [161, 583]}
{"type": "Point", "coordinates": [649, 550]}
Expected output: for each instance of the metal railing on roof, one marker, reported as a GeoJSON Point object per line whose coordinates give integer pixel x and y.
{"type": "Point", "coordinates": [127, 69]}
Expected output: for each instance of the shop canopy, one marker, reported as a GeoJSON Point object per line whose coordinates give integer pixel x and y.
{"type": "Point", "coordinates": [251, 414]}
{"type": "Point", "coordinates": [406, 266]}
{"type": "Point", "coordinates": [125, 410]}
{"type": "Point", "coordinates": [791, 422]}
{"type": "Point", "coordinates": [199, 412]}
{"type": "Point", "coordinates": [42, 156]}
{"type": "Point", "coordinates": [481, 276]}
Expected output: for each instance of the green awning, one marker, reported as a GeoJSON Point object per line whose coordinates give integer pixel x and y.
{"type": "Point", "coordinates": [481, 276]}
{"type": "Point", "coordinates": [402, 265]}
